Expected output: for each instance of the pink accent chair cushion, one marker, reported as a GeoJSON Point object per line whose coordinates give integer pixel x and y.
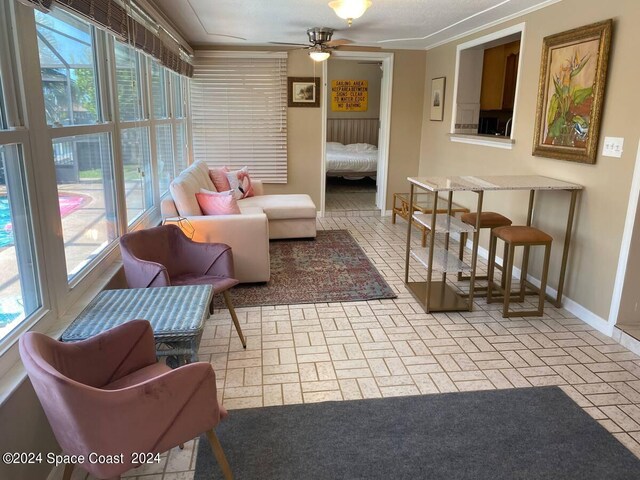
{"type": "Point", "coordinates": [217, 203]}
{"type": "Point", "coordinates": [164, 256]}
{"type": "Point", "coordinates": [108, 395]}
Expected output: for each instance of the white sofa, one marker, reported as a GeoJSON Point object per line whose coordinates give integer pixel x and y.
{"type": "Point", "coordinates": [263, 217]}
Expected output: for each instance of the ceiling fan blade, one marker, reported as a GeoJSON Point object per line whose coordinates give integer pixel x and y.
{"type": "Point", "coordinates": [287, 43]}
{"type": "Point", "coordinates": [358, 48]}
{"type": "Point", "coordinates": [338, 42]}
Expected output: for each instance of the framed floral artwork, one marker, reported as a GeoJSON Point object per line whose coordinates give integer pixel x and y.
{"type": "Point", "coordinates": [573, 72]}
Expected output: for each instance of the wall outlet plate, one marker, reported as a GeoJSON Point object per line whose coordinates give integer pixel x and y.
{"type": "Point", "coordinates": [612, 147]}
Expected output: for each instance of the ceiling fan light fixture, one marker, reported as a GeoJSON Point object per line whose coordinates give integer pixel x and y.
{"type": "Point", "coordinates": [350, 9]}
{"type": "Point", "coordinates": [319, 55]}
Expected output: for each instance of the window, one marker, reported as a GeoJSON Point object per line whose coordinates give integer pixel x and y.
{"type": "Point", "coordinates": [178, 95]}
{"type": "Point", "coordinates": [164, 152]}
{"type": "Point", "coordinates": [239, 112]}
{"type": "Point", "coordinates": [485, 87]}
{"type": "Point", "coordinates": [19, 291]}
{"type": "Point", "coordinates": [136, 160]}
{"type": "Point", "coordinates": [129, 83]}
{"type": "Point", "coordinates": [181, 147]}
{"type": "Point", "coordinates": [158, 91]}
{"type": "Point", "coordinates": [3, 115]}
{"type": "Point", "coordinates": [95, 90]}
{"type": "Point", "coordinates": [67, 66]}
{"type": "Point", "coordinates": [86, 197]}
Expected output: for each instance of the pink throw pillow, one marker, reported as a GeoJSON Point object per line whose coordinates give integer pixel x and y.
{"type": "Point", "coordinates": [217, 203]}
{"type": "Point", "coordinates": [240, 183]}
{"type": "Point", "coordinates": [219, 178]}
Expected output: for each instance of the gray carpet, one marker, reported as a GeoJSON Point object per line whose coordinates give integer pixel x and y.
{"type": "Point", "coordinates": [529, 433]}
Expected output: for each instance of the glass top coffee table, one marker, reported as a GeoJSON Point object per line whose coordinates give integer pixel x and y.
{"type": "Point", "coordinates": [176, 314]}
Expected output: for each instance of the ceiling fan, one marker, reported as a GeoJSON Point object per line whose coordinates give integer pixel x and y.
{"type": "Point", "coordinates": [320, 43]}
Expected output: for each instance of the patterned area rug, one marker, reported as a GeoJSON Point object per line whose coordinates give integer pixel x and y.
{"type": "Point", "coordinates": [331, 268]}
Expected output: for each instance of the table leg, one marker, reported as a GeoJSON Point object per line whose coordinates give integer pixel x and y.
{"type": "Point", "coordinates": [525, 254]}
{"type": "Point", "coordinates": [474, 252]}
{"type": "Point", "coordinates": [409, 222]}
{"type": "Point", "coordinates": [446, 236]}
{"type": "Point", "coordinates": [565, 251]}
{"type": "Point", "coordinates": [193, 345]}
{"type": "Point", "coordinates": [393, 209]}
{"type": "Point", "coordinates": [432, 247]}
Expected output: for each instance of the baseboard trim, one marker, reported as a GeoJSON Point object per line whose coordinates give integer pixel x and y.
{"type": "Point", "coordinates": [568, 304]}
{"type": "Point", "coordinates": [626, 340]}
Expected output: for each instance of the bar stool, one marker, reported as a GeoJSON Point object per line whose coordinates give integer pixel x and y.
{"type": "Point", "coordinates": [487, 220]}
{"type": "Point", "coordinates": [518, 236]}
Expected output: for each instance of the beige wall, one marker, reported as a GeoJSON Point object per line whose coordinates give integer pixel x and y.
{"type": "Point", "coordinates": [24, 428]}
{"type": "Point", "coordinates": [304, 139]}
{"type": "Point", "coordinates": [353, 70]}
{"type": "Point", "coordinates": [304, 127]}
{"type": "Point", "coordinates": [602, 206]}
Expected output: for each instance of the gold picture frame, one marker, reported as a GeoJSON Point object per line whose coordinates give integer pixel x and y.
{"type": "Point", "coordinates": [303, 91]}
{"type": "Point", "coordinates": [573, 72]}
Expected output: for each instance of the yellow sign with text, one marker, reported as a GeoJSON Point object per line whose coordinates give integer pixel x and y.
{"type": "Point", "coordinates": [349, 95]}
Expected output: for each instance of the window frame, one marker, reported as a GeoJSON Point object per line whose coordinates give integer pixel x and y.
{"type": "Point", "coordinates": [26, 125]}
{"type": "Point", "coordinates": [477, 139]}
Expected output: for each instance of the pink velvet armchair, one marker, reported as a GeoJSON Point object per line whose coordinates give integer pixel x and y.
{"type": "Point", "coordinates": [164, 256]}
{"type": "Point", "coordinates": [109, 396]}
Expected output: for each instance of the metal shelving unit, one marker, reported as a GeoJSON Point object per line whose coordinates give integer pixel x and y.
{"type": "Point", "coordinates": [434, 295]}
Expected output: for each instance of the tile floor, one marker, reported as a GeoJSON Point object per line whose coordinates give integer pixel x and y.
{"type": "Point", "coordinates": [343, 351]}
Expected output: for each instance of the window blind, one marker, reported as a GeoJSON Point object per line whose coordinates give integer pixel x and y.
{"type": "Point", "coordinates": [239, 112]}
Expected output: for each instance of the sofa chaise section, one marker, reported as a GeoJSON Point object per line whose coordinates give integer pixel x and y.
{"type": "Point", "coordinates": [262, 217]}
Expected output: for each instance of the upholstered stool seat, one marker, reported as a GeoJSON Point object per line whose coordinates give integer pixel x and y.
{"type": "Point", "coordinates": [517, 236]}
{"type": "Point", "coordinates": [522, 235]}
{"type": "Point", "coordinates": [487, 220]}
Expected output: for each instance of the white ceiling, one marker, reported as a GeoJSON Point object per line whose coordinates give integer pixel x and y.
{"type": "Point", "coordinates": [407, 24]}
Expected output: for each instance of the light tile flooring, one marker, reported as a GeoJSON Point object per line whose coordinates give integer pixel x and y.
{"type": "Point", "coordinates": [344, 351]}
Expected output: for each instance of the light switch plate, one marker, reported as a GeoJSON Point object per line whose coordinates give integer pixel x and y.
{"type": "Point", "coordinates": [612, 147]}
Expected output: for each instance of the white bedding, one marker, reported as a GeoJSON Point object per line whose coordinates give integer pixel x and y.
{"type": "Point", "coordinates": [357, 157]}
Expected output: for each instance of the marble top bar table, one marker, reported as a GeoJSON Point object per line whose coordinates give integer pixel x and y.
{"type": "Point", "coordinates": [438, 296]}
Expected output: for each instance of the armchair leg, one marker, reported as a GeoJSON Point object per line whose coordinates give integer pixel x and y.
{"type": "Point", "coordinates": [219, 454]}
{"type": "Point", "coordinates": [68, 470]}
{"type": "Point", "coordinates": [227, 300]}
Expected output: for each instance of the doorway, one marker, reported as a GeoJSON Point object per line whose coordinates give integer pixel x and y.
{"type": "Point", "coordinates": [355, 121]}
{"type": "Point", "coordinates": [625, 305]}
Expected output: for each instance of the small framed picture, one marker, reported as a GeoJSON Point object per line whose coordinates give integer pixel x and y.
{"type": "Point", "coordinates": [437, 98]}
{"type": "Point", "coordinates": [303, 91]}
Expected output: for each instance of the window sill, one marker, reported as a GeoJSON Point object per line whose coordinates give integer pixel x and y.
{"type": "Point", "coordinates": [16, 374]}
{"type": "Point", "coordinates": [484, 140]}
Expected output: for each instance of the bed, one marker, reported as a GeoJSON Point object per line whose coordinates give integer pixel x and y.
{"type": "Point", "coordinates": [351, 147]}
{"type": "Point", "coordinates": [356, 160]}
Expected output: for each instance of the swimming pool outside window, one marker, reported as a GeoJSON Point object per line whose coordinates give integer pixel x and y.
{"type": "Point", "coordinates": [86, 197]}
{"type": "Point", "coordinates": [19, 291]}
